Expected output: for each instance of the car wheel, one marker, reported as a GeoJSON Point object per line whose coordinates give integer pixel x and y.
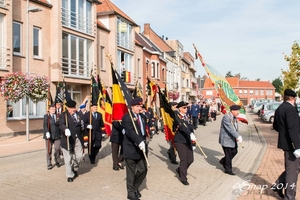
{"type": "Point", "coordinates": [272, 119]}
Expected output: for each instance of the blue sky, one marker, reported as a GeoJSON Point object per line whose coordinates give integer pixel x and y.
{"type": "Point", "coordinates": [246, 37]}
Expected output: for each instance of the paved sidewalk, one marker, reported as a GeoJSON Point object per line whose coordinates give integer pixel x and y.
{"type": "Point", "coordinates": [23, 169]}
{"type": "Point", "coordinates": [271, 167]}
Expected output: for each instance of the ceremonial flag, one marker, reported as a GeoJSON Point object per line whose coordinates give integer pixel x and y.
{"type": "Point", "coordinates": [95, 91]}
{"type": "Point", "coordinates": [152, 89]}
{"type": "Point", "coordinates": [224, 90]}
{"type": "Point", "coordinates": [59, 97]}
{"type": "Point", "coordinates": [49, 99]}
{"type": "Point", "coordinates": [137, 92]}
{"type": "Point", "coordinates": [119, 105]}
{"type": "Point", "coordinates": [168, 116]}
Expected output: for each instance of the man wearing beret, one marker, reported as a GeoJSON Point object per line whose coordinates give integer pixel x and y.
{"type": "Point", "coordinates": [96, 125]}
{"type": "Point", "coordinates": [134, 148]}
{"type": "Point", "coordinates": [70, 124]}
{"type": "Point", "coordinates": [286, 123]}
{"type": "Point", "coordinates": [228, 138]}
{"type": "Point", "coordinates": [183, 139]}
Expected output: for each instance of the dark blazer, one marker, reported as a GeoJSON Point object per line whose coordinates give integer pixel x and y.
{"type": "Point", "coordinates": [132, 139]}
{"type": "Point", "coordinates": [116, 132]}
{"type": "Point", "coordinates": [75, 128]}
{"type": "Point", "coordinates": [53, 127]}
{"type": "Point", "coordinates": [98, 126]}
{"type": "Point", "coordinates": [182, 130]}
{"type": "Point", "coordinates": [286, 123]}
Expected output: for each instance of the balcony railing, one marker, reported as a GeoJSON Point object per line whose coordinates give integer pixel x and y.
{"type": "Point", "coordinates": [3, 57]}
{"type": "Point", "coordinates": [2, 3]}
{"type": "Point", "coordinates": [78, 22]}
{"type": "Point", "coordinates": [125, 42]}
{"type": "Point", "coordinates": [193, 80]}
{"type": "Point", "coordinates": [75, 68]}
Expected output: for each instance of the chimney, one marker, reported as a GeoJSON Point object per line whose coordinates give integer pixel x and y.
{"type": "Point", "coordinates": [147, 30]}
{"type": "Point", "coordinates": [162, 37]}
{"type": "Point", "coordinates": [166, 38]}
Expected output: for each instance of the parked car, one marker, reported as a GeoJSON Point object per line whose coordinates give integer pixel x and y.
{"type": "Point", "coordinates": [256, 107]}
{"type": "Point", "coordinates": [268, 116]}
{"type": "Point", "coordinates": [268, 106]}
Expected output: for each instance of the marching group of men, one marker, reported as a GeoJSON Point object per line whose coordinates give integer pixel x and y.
{"type": "Point", "coordinates": [129, 140]}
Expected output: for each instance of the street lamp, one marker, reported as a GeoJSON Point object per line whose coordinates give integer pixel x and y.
{"type": "Point", "coordinates": [28, 9]}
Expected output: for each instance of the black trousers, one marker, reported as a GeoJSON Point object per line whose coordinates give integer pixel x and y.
{"type": "Point", "coordinates": [195, 122]}
{"type": "Point", "coordinates": [136, 171]}
{"type": "Point", "coordinates": [288, 179]}
{"type": "Point", "coordinates": [94, 152]}
{"type": "Point", "coordinates": [171, 152]}
{"type": "Point", "coordinates": [186, 157]}
{"type": "Point", "coordinates": [227, 159]}
{"type": "Point", "coordinates": [117, 154]}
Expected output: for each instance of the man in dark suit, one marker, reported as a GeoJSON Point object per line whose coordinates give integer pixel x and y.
{"type": "Point", "coordinates": [116, 139]}
{"type": "Point", "coordinates": [52, 137]}
{"type": "Point", "coordinates": [96, 125]}
{"type": "Point", "coordinates": [228, 138]}
{"type": "Point", "coordinates": [70, 124]}
{"type": "Point", "coordinates": [286, 123]}
{"type": "Point", "coordinates": [134, 148]}
{"type": "Point", "coordinates": [204, 113]}
{"type": "Point", "coordinates": [183, 139]}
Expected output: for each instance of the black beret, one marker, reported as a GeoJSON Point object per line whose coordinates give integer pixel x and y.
{"type": "Point", "coordinates": [289, 92]}
{"type": "Point", "coordinates": [144, 106]}
{"type": "Point", "coordinates": [235, 107]}
{"type": "Point", "coordinates": [52, 105]}
{"type": "Point", "coordinates": [71, 104]}
{"type": "Point", "coordinates": [181, 103]}
{"type": "Point", "coordinates": [136, 101]}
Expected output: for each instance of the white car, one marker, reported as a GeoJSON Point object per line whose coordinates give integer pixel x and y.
{"type": "Point", "coordinates": [257, 106]}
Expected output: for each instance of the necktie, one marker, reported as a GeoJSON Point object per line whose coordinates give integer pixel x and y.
{"type": "Point", "coordinates": [53, 118]}
{"type": "Point", "coordinates": [139, 122]}
{"type": "Point", "coordinates": [74, 119]}
{"type": "Point", "coordinates": [95, 115]}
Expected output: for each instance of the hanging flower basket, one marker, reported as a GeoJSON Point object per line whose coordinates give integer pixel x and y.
{"type": "Point", "coordinates": [14, 86]}
{"type": "Point", "coordinates": [38, 87]}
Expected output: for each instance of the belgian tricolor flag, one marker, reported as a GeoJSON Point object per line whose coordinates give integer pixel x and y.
{"type": "Point", "coordinates": [127, 77]}
{"type": "Point", "coordinates": [152, 89]}
{"type": "Point", "coordinates": [168, 116]}
{"type": "Point", "coordinates": [119, 105]}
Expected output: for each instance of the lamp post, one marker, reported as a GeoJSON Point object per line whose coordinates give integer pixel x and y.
{"type": "Point", "coordinates": [31, 9]}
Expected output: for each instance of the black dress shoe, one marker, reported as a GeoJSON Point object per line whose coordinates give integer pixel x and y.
{"type": "Point", "coordinates": [185, 182]}
{"type": "Point", "coordinates": [70, 179]}
{"type": "Point", "coordinates": [230, 173]}
{"type": "Point", "coordinates": [278, 191]}
{"type": "Point", "coordinates": [174, 162]}
{"type": "Point", "coordinates": [75, 174]}
{"type": "Point", "coordinates": [135, 197]}
{"type": "Point", "coordinates": [58, 165]}
{"type": "Point", "coordinates": [92, 162]}
{"type": "Point", "coordinates": [138, 193]}
{"type": "Point", "coordinates": [178, 171]}
{"type": "Point", "coordinates": [116, 168]}
{"type": "Point", "coordinates": [120, 166]}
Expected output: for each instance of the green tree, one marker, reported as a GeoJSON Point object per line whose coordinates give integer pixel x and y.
{"type": "Point", "coordinates": [277, 83]}
{"type": "Point", "coordinates": [291, 75]}
{"type": "Point", "coordinates": [228, 74]}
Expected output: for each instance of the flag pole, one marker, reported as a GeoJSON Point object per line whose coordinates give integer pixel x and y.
{"type": "Point", "coordinates": [91, 102]}
{"type": "Point", "coordinates": [110, 59]}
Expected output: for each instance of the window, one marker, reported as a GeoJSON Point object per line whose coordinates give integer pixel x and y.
{"type": "Point", "coordinates": [261, 92]}
{"type": "Point", "coordinates": [124, 61]}
{"type": "Point", "coordinates": [256, 92]}
{"type": "Point", "coordinates": [78, 15]}
{"type": "Point", "coordinates": [102, 57]}
{"type": "Point", "coordinates": [36, 42]}
{"type": "Point", "coordinates": [76, 55]}
{"type": "Point", "coordinates": [2, 3]}
{"type": "Point", "coordinates": [124, 36]}
{"type": "Point", "coordinates": [18, 109]}
{"type": "Point", "coordinates": [163, 75]}
{"type": "Point", "coordinates": [17, 27]}
{"type": "Point", "coordinates": [240, 91]}
{"type": "Point", "coordinates": [139, 71]}
{"type": "Point", "coordinates": [245, 91]}
{"type": "Point", "coordinates": [157, 71]}
{"type": "Point", "coordinates": [2, 47]}
{"type": "Point", "coordinates": [251, 91]}
{"type": "Point", "coordinates": [153, 69]}
{"type": "Point", "coordinates": [269, 92]}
